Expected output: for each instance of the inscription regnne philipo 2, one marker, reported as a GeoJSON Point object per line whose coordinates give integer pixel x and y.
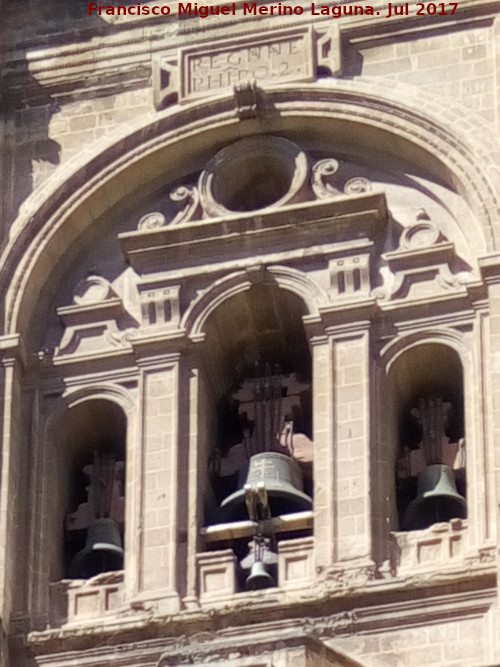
{"type": "Point", "coordinates": [285, 57]}
{"type": "Point", "coordinates": [334, 10]}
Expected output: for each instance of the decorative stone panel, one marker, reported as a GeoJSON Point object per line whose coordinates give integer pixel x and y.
{"type": "Point", "coordinates": [159, 304]}
{"type": "Point", "coordinates": [350, 276]}
{"type": "Point", "coordinates": [437, 546]}
{"type": "Point", "coordinates": [216, 574]}
{"type": "Point", "coordinates": [295, 562]}
{"type": "Point", "coordinates": [289, 55]}
{"type": "Point", "coordinates": [92, 322]}
{"type": "Point", "coordinates": [74, 601]}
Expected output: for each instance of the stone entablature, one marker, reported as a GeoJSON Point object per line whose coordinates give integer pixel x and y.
{"type": "Point", "coordinates": [284, 234]}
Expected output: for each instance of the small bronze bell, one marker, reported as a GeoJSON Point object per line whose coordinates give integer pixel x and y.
{"type": "Point", "coordinates": [259, 577]}
{"type": "Point", "coordinates": [103, 551]}
{"type": "Point", "coordinates": [437, 499]}
{"type": "Point", "coordinates": [282, 479]}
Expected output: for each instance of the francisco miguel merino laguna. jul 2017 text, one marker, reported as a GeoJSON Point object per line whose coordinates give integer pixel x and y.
{"type": "Point", "coordinates": [280, 9]}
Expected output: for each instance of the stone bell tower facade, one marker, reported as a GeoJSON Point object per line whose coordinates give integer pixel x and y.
{"type": "Point", "coordinates": [250, 305]}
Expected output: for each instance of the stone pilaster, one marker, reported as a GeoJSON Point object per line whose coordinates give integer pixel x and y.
{"type": "Point", "coordinates": [159, 479]}
{"type": "Point", "coordinates": [12, 467]}
{"type": "Point", "coordinates": [351, 360]}
{"type": "Point", "coordinates": [324, 460]}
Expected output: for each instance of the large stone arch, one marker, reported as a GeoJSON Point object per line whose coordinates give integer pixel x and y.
{"type": "Point", "coordinates": [357, 113]}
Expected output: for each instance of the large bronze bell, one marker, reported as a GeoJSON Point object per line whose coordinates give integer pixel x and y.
{"type": "Point", "coordinates": [103, 551]}
{"type": "Point", "coordinates": [259, 578]}
{"type": "Point", "coordinates": [437, 499]}
{"type": "Point", "coordinates": [282, 479]}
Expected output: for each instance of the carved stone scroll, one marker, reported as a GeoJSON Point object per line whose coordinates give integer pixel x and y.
{"type": "Point", "coordinates": [188, 198]}
{"type": "Point", "coordinates": [323, 179]}
{"type": "Point", "coordinates": [152, 220]}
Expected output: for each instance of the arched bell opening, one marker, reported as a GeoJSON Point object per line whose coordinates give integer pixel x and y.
{"type": "Point", "coordinates": [258, 426]}
{"type": "Point", "coordinates": [428, 411]}
{"type": "Point", "coordinates": [88, 497]}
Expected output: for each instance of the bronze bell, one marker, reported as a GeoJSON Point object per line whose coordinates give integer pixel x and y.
{"type": "Point", "coordinates": [437, 499]}
{"type": "Point", "coordinates": [103, 551]}
{"type": "Point", "coordinates": [282, 479]}
{"type": "Point", "coordinates": [259, 577]}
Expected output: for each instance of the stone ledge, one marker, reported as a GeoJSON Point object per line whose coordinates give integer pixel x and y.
{"type": "Point", "coordinates": [456, 593]}
{"type": "Point", "coordinates": [282, 229]}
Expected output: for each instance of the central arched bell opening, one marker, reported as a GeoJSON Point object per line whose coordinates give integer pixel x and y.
{"type": "Point", "coordinates": [259, 448]}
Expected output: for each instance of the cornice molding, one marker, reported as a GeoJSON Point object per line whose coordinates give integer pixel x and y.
{"type": "Point", "coordinates": [372, 607]}
{"type": "Point", "coordinates": [90, 62]}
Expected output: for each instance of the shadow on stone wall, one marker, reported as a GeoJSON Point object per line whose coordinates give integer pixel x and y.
{"type": "Point", "coordinates": [30, 97]}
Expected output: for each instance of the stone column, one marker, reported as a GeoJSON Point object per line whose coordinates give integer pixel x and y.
{"type": "Point", "coordinates": [384, 446]}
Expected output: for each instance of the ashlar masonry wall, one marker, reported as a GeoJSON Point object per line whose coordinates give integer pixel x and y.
{"type": "Point", "coordinates": [84, 95]}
